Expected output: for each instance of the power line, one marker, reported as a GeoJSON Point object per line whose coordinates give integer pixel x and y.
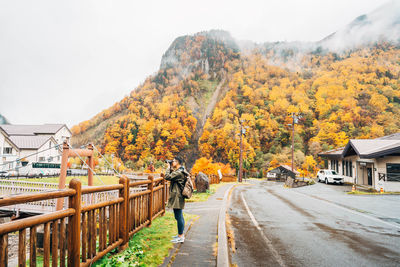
{"type": "Point", "coordinates": [85, 163]}
{"type": "Point", "coordinates": [109, 164]}
{"type": "Point", "coordinates": [19, 159]}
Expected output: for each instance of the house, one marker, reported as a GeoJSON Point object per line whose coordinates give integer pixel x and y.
{"type": "Point", "coordinates": [282, 172]}
{"type": "Point", "coordinates": [25, 147]}
{"type": "Point", "coordinates": [371, 162]}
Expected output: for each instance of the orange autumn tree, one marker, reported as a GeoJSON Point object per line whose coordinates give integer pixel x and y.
{"type": "Point", "coordinates": [206, 166]}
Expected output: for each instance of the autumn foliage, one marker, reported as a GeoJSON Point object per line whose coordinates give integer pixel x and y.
{"type": "Point", "coordinates": [355, 94]}
{"type": "Point", "coordinates": [206, 166]}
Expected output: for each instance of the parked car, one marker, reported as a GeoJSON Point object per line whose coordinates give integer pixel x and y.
{"type": "Point", "coordinates": [330, 176]}
{"type": "Point", "coordinates": [4, 174]}
{"type": "Point", "coordinates": [8, 174]}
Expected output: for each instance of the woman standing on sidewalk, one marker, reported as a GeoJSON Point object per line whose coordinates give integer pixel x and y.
{"type": "Point", "coordinates": [176, 175]}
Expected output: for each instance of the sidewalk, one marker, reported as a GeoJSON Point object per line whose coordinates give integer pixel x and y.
{"type": "Point", "coordinates": [200, 240]}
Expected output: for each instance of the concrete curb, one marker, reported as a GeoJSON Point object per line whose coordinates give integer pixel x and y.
{"type": "Point", "coordinates": [223, 255]}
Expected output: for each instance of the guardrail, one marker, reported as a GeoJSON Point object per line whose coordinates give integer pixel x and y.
{"type": "Point", "coordinates": [93, 230]}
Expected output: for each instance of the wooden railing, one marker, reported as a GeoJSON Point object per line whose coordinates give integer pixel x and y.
{"type": "Point", "coordinates": [214, 179]}
{"type": "Point", "coordinates": [93, 230]}
{"type": "Point", "coordinates": [20, 183]}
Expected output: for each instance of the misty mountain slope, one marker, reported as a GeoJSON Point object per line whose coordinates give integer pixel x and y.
{"type": "Point", "coordinates": [175, 98]}
{"type": "Point", "coordinates": [192, 106]}
{"type": "Point", "coordinates": [3, 120]}
{"type": "Point", "coordinates": [381, 25]}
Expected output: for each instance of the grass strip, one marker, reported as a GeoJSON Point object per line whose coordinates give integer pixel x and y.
{"type": "Point", "coordinates": [149, 246]}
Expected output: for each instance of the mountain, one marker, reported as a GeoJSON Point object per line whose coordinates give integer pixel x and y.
{"type": "Point", "coordinates": [208, 83]}
{"type": "Point", "coordinates": [381, 25]}
{"type": "Point", "coordinates": [3, 120]}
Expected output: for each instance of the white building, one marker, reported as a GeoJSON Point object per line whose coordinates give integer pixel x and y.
{"type": "Point", "coordinates": [25, 148]}
{"type": "Point", "coordinates": [371, 162]}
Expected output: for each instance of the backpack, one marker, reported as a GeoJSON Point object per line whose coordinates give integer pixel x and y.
{"type": "Point", "coordinates": [188, 188]}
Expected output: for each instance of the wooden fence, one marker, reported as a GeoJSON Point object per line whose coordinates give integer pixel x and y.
{"type": "Point", "coordinates": [82, 234]}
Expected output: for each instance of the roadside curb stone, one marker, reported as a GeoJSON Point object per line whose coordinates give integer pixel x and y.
{"type": "Point", "coordinates": [223, 255]}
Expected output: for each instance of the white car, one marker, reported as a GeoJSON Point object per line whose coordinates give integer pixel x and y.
{"type": "Point", "coordinates": [330, 176]}
{"type": "Point", "coordinates": [8, 174]}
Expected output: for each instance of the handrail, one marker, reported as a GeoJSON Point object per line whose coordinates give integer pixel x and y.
{"type": "Point", "coordinates": [13, 200]}
{"type": "Point", "coordinates": [32, 221]}
{"type": "Point", "coordinates": [102, 204]}
{"type": "Point", "coordinates": [133, 184]}
{"type": "Point", "coordinates": [112, 214]}
{"type": "Point", "coordinates": [102, 188]}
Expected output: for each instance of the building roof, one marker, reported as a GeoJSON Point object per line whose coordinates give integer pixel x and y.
{"type": "Point", "coordinates": [29, 142]}
{"type": "Point", "coordinates": [333, 153]}
{"type": "Point", "coordinates": [367, 148]}
{"type": "Point", "coordinates": [395, 136]}
{"type": "Point", "coordinates": [31, 129]}
{"type": "Point", "coordinates": [285, 169]}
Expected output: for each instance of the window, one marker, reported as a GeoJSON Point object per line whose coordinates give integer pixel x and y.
{"type": "Point", "coordinates": [7, 150]}
{"type": "Point", "coordinates": [351, 168]}
{"type": "Point", "coordinates": [41, 158]}
{"type": "Point", "coordinates": [343, 167]}
{"type": "Point", "coordinates": [335, 165]}
{"type": "Point", "coordinates": [393, 172]}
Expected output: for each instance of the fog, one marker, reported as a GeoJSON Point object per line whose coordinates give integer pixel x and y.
{"type": "Point", "coordinates": [65, 61]}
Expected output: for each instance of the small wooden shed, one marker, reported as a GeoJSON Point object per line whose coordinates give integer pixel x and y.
{"type": "Point", "coordinates": [281, 172]}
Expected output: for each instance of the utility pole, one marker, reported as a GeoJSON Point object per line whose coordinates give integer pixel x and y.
{"type": "Point", "coordinates": [293, 116]}
{"type": "Point", "coordinates": [295, 119]}
{"type": "Point", "coordinates": [241, 153]}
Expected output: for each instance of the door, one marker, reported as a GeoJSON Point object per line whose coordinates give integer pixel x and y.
{"type": "Point", "coordinates": [369, 174]}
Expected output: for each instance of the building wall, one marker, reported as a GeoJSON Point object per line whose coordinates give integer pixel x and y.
{"type": "Point", "coordinates": [62, 134]}
{"type": "Point", "coordinates": [4, 158]}
{"type": "Point", "coordinates": [42, 152]}
{"type": "Point", "coordinates": [347, 179]}
{"type": "Point", "coordinates": [381, 168]}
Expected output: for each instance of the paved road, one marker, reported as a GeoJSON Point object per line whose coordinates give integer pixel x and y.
{"type": "Point", "coordinates": [317, 225]}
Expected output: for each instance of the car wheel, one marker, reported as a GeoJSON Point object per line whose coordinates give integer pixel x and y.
{"type": "Point", "coordinates": [326, 180]}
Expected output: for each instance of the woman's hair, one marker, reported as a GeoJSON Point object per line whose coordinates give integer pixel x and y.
{"type": "Point", "coordinates": [179, 159]}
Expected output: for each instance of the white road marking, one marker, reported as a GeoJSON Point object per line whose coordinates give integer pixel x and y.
{"type": "Point", "coordinates": [350, 210]}
{"type": "Point", "coordinates": [276, 255]}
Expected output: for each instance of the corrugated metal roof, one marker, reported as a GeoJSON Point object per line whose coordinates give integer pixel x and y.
{"type": "Point", "coordinates": [395, 136]}
{"type": "Point", "coordinates": [368, 146]}
{"type": "Point", "coordinates": [29, 142]}
{"type": "Point", "coordinates": [333, 152]}
{"type": "Point", "coordinates": [31, 129]}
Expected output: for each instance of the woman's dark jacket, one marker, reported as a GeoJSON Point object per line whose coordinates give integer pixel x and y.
{"type": "Point", "coordinates": [178, 180]}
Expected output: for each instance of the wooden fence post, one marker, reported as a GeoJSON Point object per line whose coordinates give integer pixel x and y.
{"type": "Point", "coordinates": [74, 224]}
{"type": "Point", "coordinates": [63, 174]}
{"type": "Point", "coordinates": [151, 199]}
{"type": "Point", "coordinates": [124, 216]}
{"type": "Point", "coordinates": [164, 194]}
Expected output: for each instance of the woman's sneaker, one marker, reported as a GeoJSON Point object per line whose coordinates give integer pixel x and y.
{"type": "Point", "coordinates": [175, 236]}
{"type": "Point", "coordinates": [178, 240]}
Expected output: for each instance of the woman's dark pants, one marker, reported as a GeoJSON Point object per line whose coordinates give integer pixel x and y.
{"type": "Point", "coordinates": [180, 220]}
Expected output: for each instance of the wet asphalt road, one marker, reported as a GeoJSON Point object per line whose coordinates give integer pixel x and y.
{"type": "Point", "coordinates": [317, 225]}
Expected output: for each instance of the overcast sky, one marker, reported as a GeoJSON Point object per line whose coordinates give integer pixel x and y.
{"type": "Point", "coordinates": [65, 61]}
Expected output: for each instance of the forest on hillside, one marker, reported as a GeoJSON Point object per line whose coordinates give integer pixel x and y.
{"type": "Point", "coordinates": [339, 96]}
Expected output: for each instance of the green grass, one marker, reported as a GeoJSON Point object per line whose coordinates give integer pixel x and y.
{"type": "Point", "coordinates": [208, 88]}
{"type": "Point", "coordinates": [84, 179]}
{"type": "Point", "coordinates": [149, 246]}
{"type": "Point", "coordinates": [372, 193]}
